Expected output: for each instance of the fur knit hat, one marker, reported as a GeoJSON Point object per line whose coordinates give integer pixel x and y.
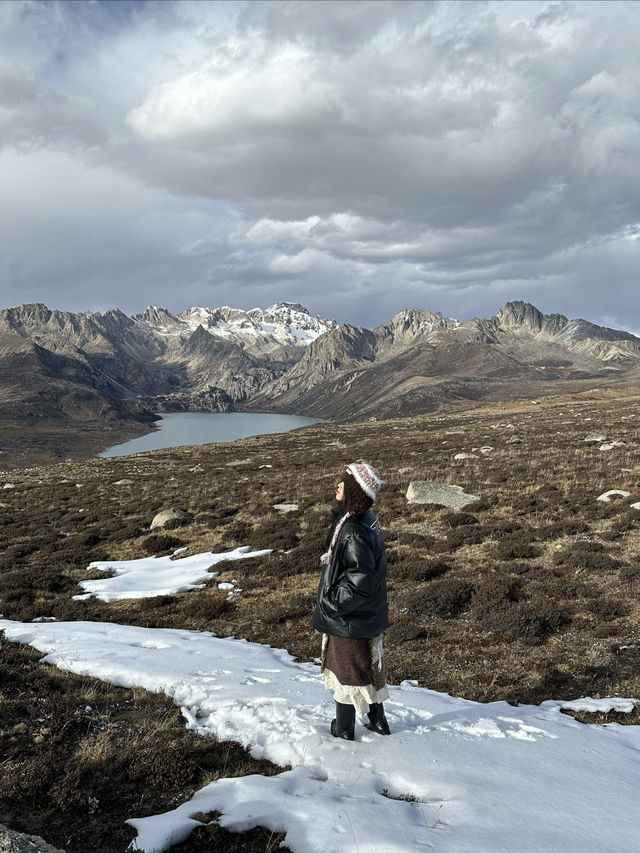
{"type": "Point", "coordinates": [367, 477]}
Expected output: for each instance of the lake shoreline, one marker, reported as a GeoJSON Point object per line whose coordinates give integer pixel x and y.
{"type": "Point", "coordinates": [181, 429]}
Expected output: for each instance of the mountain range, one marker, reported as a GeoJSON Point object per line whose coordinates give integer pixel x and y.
{"type": "Point", "coordinates": [104, 372]}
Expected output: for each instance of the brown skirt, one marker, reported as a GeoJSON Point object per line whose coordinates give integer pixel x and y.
{"type": "Point", "coordinates": [351, 661]}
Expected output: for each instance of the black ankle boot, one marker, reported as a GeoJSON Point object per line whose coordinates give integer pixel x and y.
{"type": "Point", "coordinates": [344, 724]}
{"type": "Point", "coordinates": [377, 720]}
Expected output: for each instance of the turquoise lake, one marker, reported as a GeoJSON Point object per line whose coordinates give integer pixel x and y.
{"type": "Point", "coordinates": [182, 428]}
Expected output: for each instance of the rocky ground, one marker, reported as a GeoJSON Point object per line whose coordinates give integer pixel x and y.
{"type": "Point", "coordinates": [529, 593]}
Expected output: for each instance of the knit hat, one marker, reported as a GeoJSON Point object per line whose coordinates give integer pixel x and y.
{"type": "Point", "coordinates": [367, 477]}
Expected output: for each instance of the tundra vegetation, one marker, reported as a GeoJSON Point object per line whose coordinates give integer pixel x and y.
{"type": "Point", "coordinates": [530, 593]}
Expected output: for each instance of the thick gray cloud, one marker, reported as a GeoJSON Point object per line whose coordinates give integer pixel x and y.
{"type": "Point", "coordinates": [357, 157]}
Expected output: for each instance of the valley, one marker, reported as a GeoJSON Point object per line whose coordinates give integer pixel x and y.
{"type": "Point", "coordinates": [73, 384]}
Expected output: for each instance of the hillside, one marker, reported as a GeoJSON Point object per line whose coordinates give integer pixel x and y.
{"type": "Point", "coordinates": [422, 362]}
{"type": "Point", "coordinates": [530, 593]}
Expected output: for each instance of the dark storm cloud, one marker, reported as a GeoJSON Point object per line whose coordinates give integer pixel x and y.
{"type": "Point", "coordinates": [357, 157]}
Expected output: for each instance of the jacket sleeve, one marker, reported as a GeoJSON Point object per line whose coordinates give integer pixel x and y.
{"type": "Point", "coordinates": [355, 584]}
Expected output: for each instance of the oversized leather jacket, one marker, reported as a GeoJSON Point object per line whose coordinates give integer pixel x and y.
{"type": "Point", "coordinates": [352, 596]}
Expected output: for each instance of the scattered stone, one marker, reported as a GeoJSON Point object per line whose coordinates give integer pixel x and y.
{"type": "Point", "coordinates": [3, 506]}
{"type": "Point", "coordinates": [9, 486]}
{"type": "Point", "coordinates": [403, 470]}
{"type": "Point", "coordinates": [17, 842]}
{"type": "Point", "coordinates": [515, 439]}
{"type": "Point", "coordinates": [265, 466]}
{"type": "Point", "coordinates": [197, 469]}
{"type": "Point", "coordinates": [459, 431]}
{"type": "Point", "coordinates": [466, 456]}
{"type": "Point", "coordinates": [284, 508]}
{"type": "Point", "coordinates": [426, 492]}
{"type": "Point", "coordinates": [239, 462]}
{"type": "Point", "coordinates": [225, 586]}
{"type": "Point", "coordinates": [606, 497]}
{"type": "Point", "coordinates": [635, 505]}
{"type": "Point", "coordinates": [610, 445]}
{"type": "Point", "coordinates": [167, 515]}
{"type": "Point", "coordinates": [595, 437]}
{"type": "Point", "coordinates": [123, 483]}
{"type": "Point", "coordinates": [181, 551]}
{"type": "Point", "coordinates": [485, 449]}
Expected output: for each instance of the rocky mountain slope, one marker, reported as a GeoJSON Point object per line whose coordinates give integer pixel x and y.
{"type": "Point", "coordinates": [102, 372]}
{"type": "Point", "coordinates": [421, 361]}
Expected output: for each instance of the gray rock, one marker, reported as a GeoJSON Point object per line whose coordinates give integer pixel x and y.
{"type": "Point", "coordinates": [595, 437]}
{"type": "Point", "coordinates": [515, 439]}
{"type": "Point", "coordinates": [16, 842]}
{"type": "Point", "coordinates": [466, 456]}
{"type": "Point", "coordinates": [426, 492]}
{"type": "Point", "coordinates": [123, 483]}
{"type": "Point", "coordinates": [606, 497]}
{"type": "Point", "coordinates": [167, 515]}
{"type": "Point", "coordinates": [247, 461]}
{"type": "Point", "coordinates": [610, 445]}
{"type": "Point", "coordinates": [284, 508]}
{"type": "Point", "coordinates": [9, 486]}
{"type": "Point", "coordinates": [635, 505]}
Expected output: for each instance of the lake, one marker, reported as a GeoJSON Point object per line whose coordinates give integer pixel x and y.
{"type": "Point", "coordinates": [180, 428]}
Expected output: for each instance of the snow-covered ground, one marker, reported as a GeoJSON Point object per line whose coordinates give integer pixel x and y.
{"type": "Point", "coordinates": [151, 576]}
{"type": "Point", "coordinates": [454, 777]}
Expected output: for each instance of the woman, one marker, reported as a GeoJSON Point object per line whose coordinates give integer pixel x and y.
{"type": "Point", "coordinates": [351, 611]}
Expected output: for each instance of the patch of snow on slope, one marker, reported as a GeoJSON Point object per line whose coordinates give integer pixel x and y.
{"type": "Point", "coordinates": [151, 576]}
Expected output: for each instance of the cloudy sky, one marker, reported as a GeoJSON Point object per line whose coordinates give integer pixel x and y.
{"type": "Point", "coordinates": [358, 157]}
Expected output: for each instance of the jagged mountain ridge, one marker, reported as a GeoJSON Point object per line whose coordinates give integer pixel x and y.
{"type": "Point", "coordinates": [156, 354]}
{"type": "Point", "coordinates": [97, 368]}
{"type": "Point", "coordinates": [420, 361]}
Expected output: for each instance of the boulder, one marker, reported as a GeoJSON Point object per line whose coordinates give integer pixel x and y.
{"type": "Point", "coordinates": [167, 515]}
{"type": "Point", "coordinates": [609, 445]}
{"type": "Point", "coordinates": [284, 508]}
{"type": "Point", "coordinates": [16, 842]}
{"type": "Point", "coordinates": [426, 492]}
{"type": "Point", "coordinates": [606, 497]}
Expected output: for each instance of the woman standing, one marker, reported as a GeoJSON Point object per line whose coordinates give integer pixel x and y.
{"type": "Point", "coordinates": [351, 611]}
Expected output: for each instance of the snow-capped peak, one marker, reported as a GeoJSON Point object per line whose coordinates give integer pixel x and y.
{"type": "Point", "coordinates": [260, 329]}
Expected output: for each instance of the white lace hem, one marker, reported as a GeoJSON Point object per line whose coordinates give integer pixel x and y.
{"type": "Point", "coordinates": [358, 696]}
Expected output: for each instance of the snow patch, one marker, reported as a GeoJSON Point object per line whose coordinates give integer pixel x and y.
{"type": "Point", "coordinates": [151, 576]}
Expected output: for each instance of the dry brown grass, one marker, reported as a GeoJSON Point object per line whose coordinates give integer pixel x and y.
{"type": "Point", "coordinates": [74, 774]}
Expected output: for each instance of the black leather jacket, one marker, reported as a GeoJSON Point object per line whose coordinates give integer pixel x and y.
{"type": "Point", "coordinates": [352, 596]}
